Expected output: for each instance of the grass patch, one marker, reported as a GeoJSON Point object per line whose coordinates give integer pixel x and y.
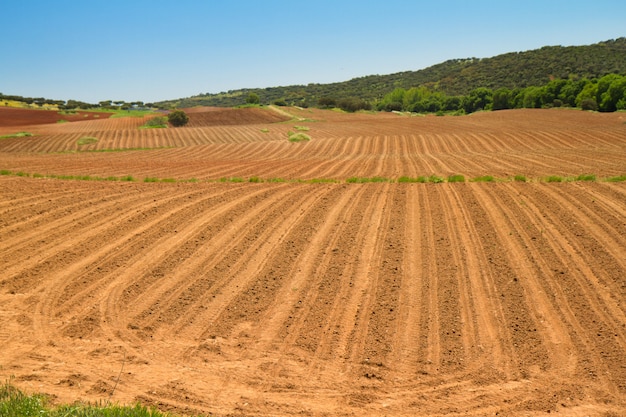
{"type": "Point", "coordinates": [619, 178]}
{"type": "Point", "coordinates": [150, 179]}
{"type": "Point", "coordinates": [62, 121]}
{"type": "Point", "coordinates": [298, 137]}
{"type": "Point", "coordinates": [87, 140]}
{"type": "Point", "coordinates": [586, 177]}
{"type": "Point", "coordinates": [14, 402]}
{"type": "Point", "coordinates": [232, 179]}
{"type": "Point", "coordinates": [484, 178]}
{"type": "Point", "coordinates": [127, 178]}
{"type": "Point", "coordinates": [519, 178]}
{"type": "Point", "coordinates": [17, 135]}
{"type": "Point", "coordinates": [435, 179]}
{"type": "Point", "coordinates": [413, 180]}
{"type": "Point", "coordinates": [159, 122]}
{"type": "Point", "coordinates": [129, 113]}
{"type": "Point", "coordinates": [5, 172]}
{"type": "Point", "coordinates": [302, 128]}
{"type": "Point", "coordinates": [554, 178]}
{"type": "Point", "coordinates": [456, 178]}
{"type": "Point", "coordinates": [364, 180]}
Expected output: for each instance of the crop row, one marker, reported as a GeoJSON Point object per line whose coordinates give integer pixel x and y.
{"type": "Point", "coordinates": [434, 179]}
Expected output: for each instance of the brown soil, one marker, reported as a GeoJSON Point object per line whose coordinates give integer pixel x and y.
{"type": "Point", "coordinates": [321, 299]}
{"type": "Point", "coordinates": [15, 117]}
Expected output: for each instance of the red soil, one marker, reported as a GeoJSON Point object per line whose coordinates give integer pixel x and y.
{"type": "Point", "coordinates": [321, 299]}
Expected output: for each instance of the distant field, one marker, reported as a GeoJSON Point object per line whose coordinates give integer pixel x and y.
{"type": "Point", "coordinates": [223, 269]}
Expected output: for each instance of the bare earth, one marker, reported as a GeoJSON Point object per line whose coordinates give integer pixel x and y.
{"type": "Point", "coordinates": [287, 298]}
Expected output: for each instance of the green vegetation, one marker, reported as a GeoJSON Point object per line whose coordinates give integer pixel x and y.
{"type": "Point", "coordinates": [178, 118]}
{"type": "Point", "coordinates": [298, 137]}
{"type": "Point", "coordinates": [15, 403]}
{"type": "Point", "coordinates": [302, 128]}
{"type": "Point", "coordinates": [484, 178]}
{"type": "Point", "coordinates": [434, 179]}
{"type": "Point", "coordinates": [62, 121]}
{"type": "Point", "coordinates": [586, 177]}
{"type": "Point", "coordinates": [456, 178]}
{"type": "Point", "coordinates": [87, 140]}
{"type": "Point", "coordinates": [17, 135]}
{"type": "Point", "coordinates": [510, 72]}
{"type": "Point", "coordinates": [159, 122]}
{"type": "Point", "coordinates": [364, 180]}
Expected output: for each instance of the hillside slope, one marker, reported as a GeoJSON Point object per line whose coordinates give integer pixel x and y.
{"type": "Point", "coordinates": [453, 77]}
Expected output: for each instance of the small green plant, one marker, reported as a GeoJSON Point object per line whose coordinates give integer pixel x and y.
{"type": "Point", "coordinates": [17, 135]}
{"type": "Point", "coordinates": [265, 130]}
{"type": "Point", "coordinates": [87, 140]}
{"type": "Point", "coordinates": [62, 121]}
{"type": "Point", "coordinates": [520, 178]}
{"type": "Point", "coordinates": [586, 177]}
{"type": "Point", "coordinates": [5, 172]}
{"type": "Point", "coordinates": [619, 178]}
{"type": "Point", "coordinates": [127, 178]}
{"type": "Point", "coordinates": [254, 179]}
{"type": "Point", "coordinates": [484, 178]}
{"type": "Point", "coordinates": [298, 137]}
{"type": "Point", "coordinates": [456, 178]}
{"type": "Point", "coordinates": [150, 179]}
{"type": "Point", "coordinates": [302, 128]}
{"type": "Point", "coordinates": [554, 178]}
{"type": "Point", "coordinates": [435, 179]}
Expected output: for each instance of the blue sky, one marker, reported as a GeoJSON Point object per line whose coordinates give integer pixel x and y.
{"type": "Point", "coordinates": [153, 50]}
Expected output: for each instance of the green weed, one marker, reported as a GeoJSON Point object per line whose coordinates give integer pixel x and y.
{"type": "Point", "coordinates": [586, 177]}
{"type": "Point", "coordinates": [298, 137]}
{"type": "Point", "coordinates": [17, 135]}
{"type": "Point", "coordinates": [520, 178]}
{"type": "Point", "coordinates": [435, 179]}
{"type": "Point", "coordinates": [619, 178]}
{"type": "Point", "coordinates": [554, 178]}
{"type": "Point", "coordinates": [484, 178]}
{"type": "Point", "coordinates": [456, 178]}
{"type": "Point", "coordinates": [87, 140]}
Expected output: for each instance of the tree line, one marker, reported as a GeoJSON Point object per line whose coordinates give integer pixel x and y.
{"type": "Point", "coordinates": [605, 94]}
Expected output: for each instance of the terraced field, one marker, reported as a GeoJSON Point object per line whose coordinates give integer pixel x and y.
{"type": "Point", "coordinates": [306, 296]}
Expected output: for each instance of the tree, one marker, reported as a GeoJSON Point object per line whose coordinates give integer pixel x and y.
{"type": "Point", "coordinates": [502, 99]}
{"type": "Point", "coordinates": [178, 118]}
{"type": "Point", "coordinates": [253, 98]}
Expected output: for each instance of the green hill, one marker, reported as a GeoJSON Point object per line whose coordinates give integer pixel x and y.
{"type": "Point", "coordinates": [453, 77]}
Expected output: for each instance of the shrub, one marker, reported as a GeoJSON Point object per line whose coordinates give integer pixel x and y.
{"type": "Point", "coordinates": [178, 118]}
{"type": "Point", "coordinates": [158, 122]}
{"type": "Point", "coordinates": [589, 104]}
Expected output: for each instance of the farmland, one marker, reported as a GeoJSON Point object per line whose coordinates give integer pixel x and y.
{"type": "Point", "coordinates": [304, 293]}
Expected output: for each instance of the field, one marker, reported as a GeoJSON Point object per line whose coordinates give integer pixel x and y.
{"type": "Point", "coordinates": [234, 272]}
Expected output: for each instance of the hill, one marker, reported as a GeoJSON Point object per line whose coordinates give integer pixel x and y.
{"type": "Point", "coordinates": [453, 77]}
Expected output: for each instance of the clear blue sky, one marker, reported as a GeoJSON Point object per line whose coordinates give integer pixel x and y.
{"type": "Point", "coordinates": [153, 50]}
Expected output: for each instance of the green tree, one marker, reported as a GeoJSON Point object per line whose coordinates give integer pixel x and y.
{"type": "Point", "coordinates": [478, 99]}
{"type": "Point", "coordinates": [253, 98]}
{"type": "Point", "coordinates": [178, 118]}
{"type": "Point", "coordinates": [502, 99]}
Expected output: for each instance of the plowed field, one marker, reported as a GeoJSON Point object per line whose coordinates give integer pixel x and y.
{"type": "Point", "coordinates": [301, 297]}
